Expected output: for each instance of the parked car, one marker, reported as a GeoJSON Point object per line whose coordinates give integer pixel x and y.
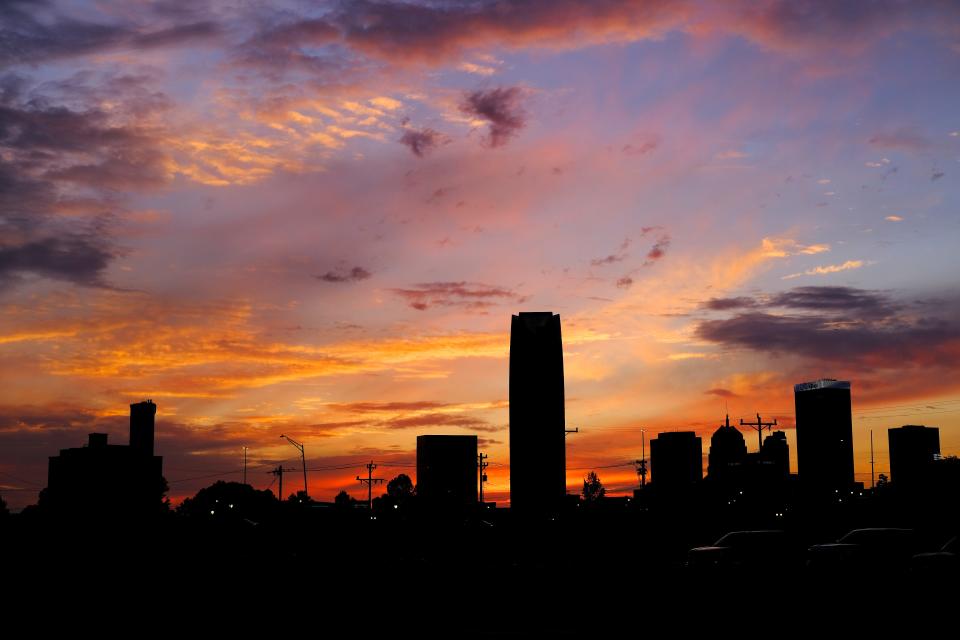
{"type": "Point", "coordinates": [944, 561]}
{"type": "Point", "coordinates": [879, 549]}
{"type": "Point", "coordinates": [766, 549]}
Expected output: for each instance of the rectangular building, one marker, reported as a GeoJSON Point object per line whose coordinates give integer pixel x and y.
{"type": "Point", "coordinates": [913, 448]}
{"type": "Point", "coordinates": [447, 471]}
{"type": "Point", "coordinates": [676, 461]}
{"type": "Point", "coordinates": [824, 436]}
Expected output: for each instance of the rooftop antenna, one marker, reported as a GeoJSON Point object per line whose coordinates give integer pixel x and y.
{"type": "Point", "coordinates": [872, 483]}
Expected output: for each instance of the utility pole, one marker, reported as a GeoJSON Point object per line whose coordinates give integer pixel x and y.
{"type": "Point", "coordinates": [244, 465]}
{"type": "Point", "coordinates": [279, 471]}
{"type": "Point", "coordinates": [483, 473]}
{"type": "Point", "coordinates": [370, 481]}
{"type": "Point", "coordinates": [642, 462]}
{"type": "Point", "coordinates": [759, 425]}
{"type": "Point", "coordinates": [873, 485]}
{"type": "Point", "coordinates": [303, 459]}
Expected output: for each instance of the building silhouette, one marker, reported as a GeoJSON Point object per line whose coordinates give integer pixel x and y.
{"type": "Point", "coordinates": [913, 450]}
{"type": "Point", "coordinates": [537, 427]}
{"type": "Point", "coordinates": [728, 450]}
{"type": "Point", "coordinates": [775, 455]}
{"type": "Point", "coordinates": [768, 469]}
{"type": "Point", "coordinates": [142, 416]}
{"type": "Point", "coordinates": [446, 471]}
{"type": "Point", "coordinates": [824, 436]}
{"type": "Point", "coordinates": [676, 461]}
{"type": "Point", "coordinates": [108, 478]}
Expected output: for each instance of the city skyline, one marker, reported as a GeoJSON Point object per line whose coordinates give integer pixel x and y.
{"type": "Point", "coordinates": [274, 220]}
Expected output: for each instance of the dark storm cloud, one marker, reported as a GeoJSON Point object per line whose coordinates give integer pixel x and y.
{"type": "Point", "coordinates": [410, 31]}
{"type": "Point", "coordinates": [421, 141]}
{"type": "Point", "coordinates": [56, 158]}
{"type": "Point", "coordinates": [836, 299]}
{"type": "Point", "coordinates": [78, 258]}
{"type": "Point", "coordinates": [25, 38]}
{"type": "Point", "coordinates": [842, 324]}
{"type": "Point", "coordinates": [355, 274]}
{"type": "Point", "coordinates": [861, 302]}
{"type": "Point", "coordinates": [821, 337]}
{"type": "Point", "coordinates": [726, 304]}
{"type": "Point", "coordinates": [501, 108]}
{"type": "Point", "coordinates": [436, 32]}
{"type": "Point", "coordinates": [468, 295]}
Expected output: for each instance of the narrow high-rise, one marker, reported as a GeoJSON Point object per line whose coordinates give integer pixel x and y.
{"type": "Point", "coordinates": [824, 436]}
{"type": "Point", "coordinates": [538, 480]}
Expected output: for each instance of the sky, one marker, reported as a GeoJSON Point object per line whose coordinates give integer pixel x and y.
{"type": "Point", "coordinates": [316, 219]}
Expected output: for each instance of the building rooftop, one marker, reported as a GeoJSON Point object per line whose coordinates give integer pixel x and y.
{"type": "Point", "coordinates": [823, 383]}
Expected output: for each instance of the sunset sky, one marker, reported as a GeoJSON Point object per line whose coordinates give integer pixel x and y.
{"type": "Point", "coordinates": [316, 219]}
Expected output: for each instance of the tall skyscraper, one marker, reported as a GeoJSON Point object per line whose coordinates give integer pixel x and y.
{"type": "Point", "coordinates": [538, 481]}
{"type": "Point", "coordinates": [913, 448]}
{"type": "Point", "coordinates": [676, 461]}
{"type": "Point", "coordinates": [447, 471]}
{"type": "Point", "coordinates": [824, 435]}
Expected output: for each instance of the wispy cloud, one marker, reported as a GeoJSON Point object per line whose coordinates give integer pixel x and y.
{"type": "Point", "coordinates": [828, 269]}
{"type": "Point", "coordinates": [468, 295]}
{"type": "Point", "coordinates": [340, 275]}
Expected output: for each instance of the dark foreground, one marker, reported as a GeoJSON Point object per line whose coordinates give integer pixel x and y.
{"type": "Point", "coordinates": [343, 575]}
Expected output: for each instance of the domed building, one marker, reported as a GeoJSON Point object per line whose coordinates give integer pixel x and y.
{"type": "Point", "coordinates": [728, 450]}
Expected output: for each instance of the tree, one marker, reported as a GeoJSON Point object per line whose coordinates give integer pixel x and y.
{"type": "Point", "coordinates": [400, 491]}
{"type": "Point", "coordinates": [226, 501]}
{"type": "Point", "coordinates": [882, 482]}
{"type": "Point", "coordinates": [401, 488]}
{"type": "Point", "coordinates": [343, 500]}
{"type": "Point", "coordinates": [593, 489]}
{"type": "Point", "coordinates": [300, 497]}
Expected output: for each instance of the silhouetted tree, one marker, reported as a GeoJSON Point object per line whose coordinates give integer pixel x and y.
{"type": "Point", "coordinates": [400, 491]}
{"type": "Point", "coordinates": [4, 512]}
{"type": "Point", "coordinates": [229, 501]}
{"type": "Point", "coordinates": [343, 500]}
{"type": "Point", "coordinates": [882, 482]}
{"type": "Point", "coordinates": [592, 488]}
{"type": "Point", "coordinates": [300, 497]}
{"type": "Point", "coordinates": [163, 488]}
{"type": "Point", "coordinates": [401, 488]}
